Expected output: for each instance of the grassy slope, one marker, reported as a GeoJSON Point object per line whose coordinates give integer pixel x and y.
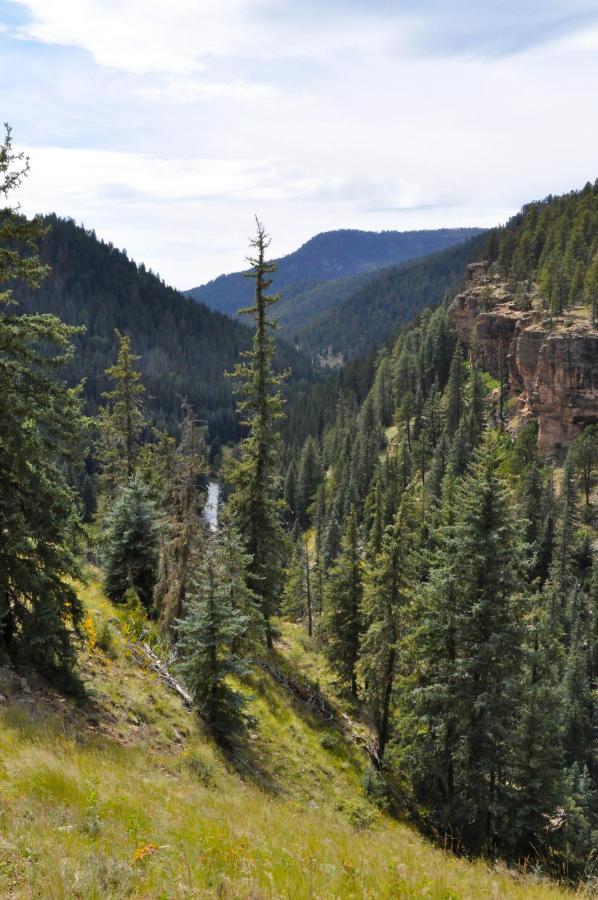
{"type": "Point", "coordinates": [126, 797]}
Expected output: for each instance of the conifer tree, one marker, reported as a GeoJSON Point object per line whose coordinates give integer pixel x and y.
{"type": "Point", "coordinates": [242, 598]}
{"type": "Point", "coordinates": [184, 527]}
{"type": "Point", "coordinates": [297, 598]}
{"type": "Point", "coordinates": [585, 458]}
{"type": "Point", "coordinates": [561, 568]}
{"type": "Point", "coordinates": [332, 538]}
{"type": "Point", "coordinates": [290, 491]}
{"type": "Point", "coordinates": [341, 621]}
{"type": "Point", "coordinates": [454, 393]}
{"type": "Point", "coordinates": [537, 764]}
{"type": "Point", "coordinates": [130, 545]}
{"type": "Point", "coordinates": [255, 503]}
{"type": "Point", "coordinates": [41, 436]}
{"type": "Point", "coordinates": [459, 719]}
{"type": "Point", "coordinates": [319, 520]}
{"type": "Point", "coordinates": [308, 479]}
{"type": "Point", "coordinates": [120, 422]}
{"type": "Point", "coordinates": [374, 515]}
{"type": "Point", "coordinates": [209, 635]}
{"type": "Point", "coordinates": [387, 591]}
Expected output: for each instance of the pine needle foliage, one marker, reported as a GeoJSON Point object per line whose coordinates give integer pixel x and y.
{"type": "Point", "coordinates": [255, 503]}
{"type": "Point", "coordinates": [41, 436]}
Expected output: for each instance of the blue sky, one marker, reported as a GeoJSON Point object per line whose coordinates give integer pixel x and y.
{"type": "Point", "coordinates": [166, 125]}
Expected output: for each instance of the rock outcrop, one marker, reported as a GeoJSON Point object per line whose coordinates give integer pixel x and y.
{"type": "Point", "coordinates": [551, 364]}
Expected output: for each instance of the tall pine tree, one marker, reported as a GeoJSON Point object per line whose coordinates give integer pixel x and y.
{"type": "Point", "coordinates": [255, 502]}
{"type": "Point", "coordinates": [41, 434]}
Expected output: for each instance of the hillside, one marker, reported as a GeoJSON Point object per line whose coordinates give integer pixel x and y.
{"type": "Point", "coordinates": [367, 317]}
{"type": "Point", "coordinates": [327, 269]}
{"type": "Point", "coordinates": [122, 795]}
{"type": "Point", "coordinates": [185, 347]}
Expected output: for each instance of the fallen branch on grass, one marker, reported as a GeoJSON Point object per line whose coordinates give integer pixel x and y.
{"type": "Point", "coordinates": [144, 655]}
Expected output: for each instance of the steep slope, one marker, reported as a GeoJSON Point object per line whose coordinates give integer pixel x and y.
{"type": "Point", "coordinates": [122, 795]}
{"type": "Point", "coordinates": [329, 257]}
{"type": "Point", "coordinates": [529, 314]}
{"type": "Point", "coordinates": [185, 347]}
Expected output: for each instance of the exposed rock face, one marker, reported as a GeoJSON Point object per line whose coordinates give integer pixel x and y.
{"type": "Point", "coordinates": [551, 366]}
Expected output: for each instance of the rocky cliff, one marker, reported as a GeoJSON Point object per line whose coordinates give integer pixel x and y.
{"type": "Point", "coordinates": [551, 365]}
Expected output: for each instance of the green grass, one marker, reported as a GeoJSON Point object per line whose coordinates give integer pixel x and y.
{"type": "Point", "coordinates": [126, 797]}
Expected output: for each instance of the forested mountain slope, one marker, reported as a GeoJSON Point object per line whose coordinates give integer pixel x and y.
{"type": "Point", "coordinates": [328, 268]}
{"type": "Point", "coordinates": [368, 316]}
{"type": "Point", "coordinates": [185, 347]}
{"type": "Point", "coordinates": [451, 518]}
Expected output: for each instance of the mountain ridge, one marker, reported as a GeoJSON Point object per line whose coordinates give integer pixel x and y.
{"type": "Point", "coordinates": [329, 255]}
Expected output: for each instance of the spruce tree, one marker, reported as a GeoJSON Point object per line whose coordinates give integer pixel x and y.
{"type": "Point", "coordinates": [460, 713]}
{"type": "Point", "coordinates": [120, 422]}
{"type": "Point", "coordinates": [255, 503]}
{"type": "Point", "coordinates": [341, 620]}
{"type": "Point", "coordinates": [454, 393]}
{"type": "Point", "coordinates": [41, 437]}
{"type": "Point", "coordinates": [319, 520]}
{"type": "Point", "coordinates": [184, 525]}
{"type": "Point", "coordinates": [308, 479]}
{"type": "Point", "coordinates": [537, 764]}
{"type": "Point", "coordinates": [387, 591]}
{"type": "Point", "coordinates": [209, 638]}
{"type": "Point", "coordinates": [130, 545]}
{"type": "Point", "coordinates": [585, 458]}
{"type": "Point", "coordinates": [297, 597]}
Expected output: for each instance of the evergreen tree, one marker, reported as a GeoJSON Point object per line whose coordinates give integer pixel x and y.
{"type": "Point", "coordinates": [41, 435]}
{"type": "Point", "coordinates": [308, 479]}
{"type": "Point", "coordinates": [585, 457]}
{"type": "Point", "coordinates": [340, 624]}
{"type": "Point", "coordinates": [332, 539]}
{"type": "Point", "coordinates": [290, 491]}
{"type": "Point", "coordinates": [297, 598]}
{"type": "Point", "coordinates": [208, 636]}
{"type": "Point", "coordinates": [459, 720]}
{"type": "Point", "coordinates": [454, 393]}
{"type": "Point", "coordinates": [130, 545]}
{"type": "Point", "coordinates": [374, 515]}
{"type": "Point", "coordinates": [184, 524]}
{"type": "Point", "coordinates": [319, 519]}
{"type": "Point", "coordinates": [255, 503]}
{"type": "Point", "coordinates": [388, 585]}
{"type": "Point", "coordinates": [121, 422]}
{"type": "Point", "coordinates": [537, 765]}
{"type": "Point", "coordinates": [561, 568]}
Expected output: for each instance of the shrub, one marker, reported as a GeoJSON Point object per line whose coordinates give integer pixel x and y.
{"type": "Point", "coordinates": [200, 767]}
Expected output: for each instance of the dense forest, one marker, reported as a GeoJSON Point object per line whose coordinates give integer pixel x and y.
{"type": "Point", "coordinates": [185, 348]}
{"type": "Point", "coordinates": [372, 314]}
{"type": "Point", "coordinates": [447, 572]}
{"type": "Point", "coordinates": [553, 243]}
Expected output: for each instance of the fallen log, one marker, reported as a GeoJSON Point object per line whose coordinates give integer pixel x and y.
{"type": "Point", "coordinates": [144, 655]}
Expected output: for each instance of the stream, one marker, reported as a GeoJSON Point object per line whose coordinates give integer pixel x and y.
{"type": "Point", "coordinates": [210, 510]}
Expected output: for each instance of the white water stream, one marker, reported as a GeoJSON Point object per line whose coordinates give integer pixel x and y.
{"type": "Point", "coordinates": [210, 510]}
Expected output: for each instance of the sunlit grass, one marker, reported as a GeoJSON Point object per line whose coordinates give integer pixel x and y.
{"type": "Point", "coordinates": [138, 811]}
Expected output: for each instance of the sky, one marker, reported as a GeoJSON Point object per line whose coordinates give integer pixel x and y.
{"type": "Point", "coordinates": [166, 126]}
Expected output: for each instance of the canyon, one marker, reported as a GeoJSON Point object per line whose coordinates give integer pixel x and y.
{"type": "Point", "coordinates": [550, 364]}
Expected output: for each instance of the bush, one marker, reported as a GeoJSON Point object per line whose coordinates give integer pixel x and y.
{"type": "Point", "coordinates": [199, 766]}
{"type": "Point", "coordinates": [360, 815]}
{"type": "Point", "coordinates": [375, 788]}
{"type": "Point", "coordinates": [329, 742]}
{"type": "Point", "coordinates": [106, 638]}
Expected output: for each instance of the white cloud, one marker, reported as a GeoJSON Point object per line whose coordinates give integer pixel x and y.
{"type": "Point", "coordinates": [188, 90]}
{"type": "Point", "coordinates": [183, 119]}
{"type": "Point", "coordinates": [143, 36]}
